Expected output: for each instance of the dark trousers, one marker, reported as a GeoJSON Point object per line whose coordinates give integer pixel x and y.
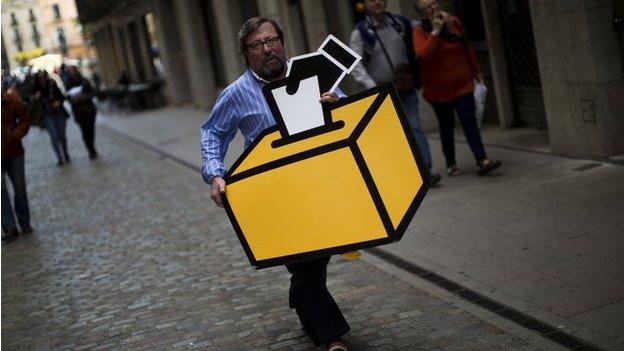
{"type": "Point", "coordinates": [14, 168]}
{"type": "Point", "coordinates": [465, 107]}
{"type": "Point", "coordinates": [87, 127]}
{"type": "Point", "coordinates": [319, 314]}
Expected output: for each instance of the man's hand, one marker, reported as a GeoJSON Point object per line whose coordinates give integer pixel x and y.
{"type": "Point", "coordinates": [329, 96]}
{"type": "Point", "coordinates": [217, 188]}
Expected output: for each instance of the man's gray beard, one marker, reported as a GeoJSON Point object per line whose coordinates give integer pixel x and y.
{"type": "Point", "coordinates": [273, 73]}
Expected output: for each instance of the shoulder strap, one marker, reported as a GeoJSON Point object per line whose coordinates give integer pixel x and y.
{"type": "Point", "coordinates": [365, 34]}
{"type": "Point", "coordinates": [383, 48]}
{"type": "Point", "coordinates": [401, 24]}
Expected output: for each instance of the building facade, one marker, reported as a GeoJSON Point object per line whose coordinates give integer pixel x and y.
{"type": "Point", "coordinates": [32, 28]}
{"type": "Point", "coordinates": [549, 64]}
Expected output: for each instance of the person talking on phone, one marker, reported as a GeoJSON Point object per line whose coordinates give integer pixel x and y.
{"type": "Point", "coordinates": [448, 71]}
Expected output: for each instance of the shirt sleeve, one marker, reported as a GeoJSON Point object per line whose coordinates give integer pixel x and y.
{"type": "Point", "coordinates": [216, 134]}
{"type": "Point", "coordinates": [359, 72]}
{"type": "Point", "coordinates": [341, 94]}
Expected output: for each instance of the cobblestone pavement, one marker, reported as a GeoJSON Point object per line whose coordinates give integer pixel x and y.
{"type": "Point", "coordinates": [130, 254]}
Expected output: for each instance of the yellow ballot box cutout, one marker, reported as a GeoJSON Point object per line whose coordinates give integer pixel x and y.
{"type": "Point", "coordinates": [353, 183]}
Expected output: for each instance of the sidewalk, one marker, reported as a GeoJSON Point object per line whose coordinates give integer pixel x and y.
{"type": "Point", "coordinates": [130, 254]}
{"type": "Point", "coordinates": [543, 235]}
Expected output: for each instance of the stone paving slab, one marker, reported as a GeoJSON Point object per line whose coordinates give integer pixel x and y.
{"type": "Point", "coordinates": [130, 254]}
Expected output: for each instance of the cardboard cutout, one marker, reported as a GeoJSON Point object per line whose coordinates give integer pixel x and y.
{"type": "Point", "coordinates": [328, 178]}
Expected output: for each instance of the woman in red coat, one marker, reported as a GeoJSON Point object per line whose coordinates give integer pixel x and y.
{"type": "Point", "coordinates": [448, 70]}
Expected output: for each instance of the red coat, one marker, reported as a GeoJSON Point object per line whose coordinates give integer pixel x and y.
{"type": "Point", "coordinates": [447, 68]}
{"type": "Point", "coordinates": [15, 125]}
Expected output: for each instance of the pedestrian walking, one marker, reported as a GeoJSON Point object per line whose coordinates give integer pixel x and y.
{"type": "Point", "coordinates": [384, 40]}
{"type": "Point", "coordinates": [448, 70]}
{"type": "Point", "coordinates": [49, 95]}
{"type": "Point", "coordinates": [242, 106]}
{"type": "Point", "coordinates": [15, 125]}
{"type": "Point", "coordinates": [81, 93]}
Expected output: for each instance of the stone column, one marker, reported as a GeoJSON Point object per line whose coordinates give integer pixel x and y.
{"type": "Point", "coordinates": [315, 23]}
{"type": "Point", "coordinates": [582, 78]}
{"type": "Point", "coordinates": [194, 42]}
{"type": "Point", "coordinates": [104, 58]}
{"type": "Point", "coordinates": [118, 49]}
{"type": "Point", "coordinates": [229, 22]}
{"type": "Point", "coordinates": [177, 85]}
{"type": "Point", "coordinates": [285, 15]}
{"type": "Point", "coordinates": [132, 69]}
{"type": "Point", "coordinates": [498, 63]}
{"type": "Point", "coordinates": [339, 18]}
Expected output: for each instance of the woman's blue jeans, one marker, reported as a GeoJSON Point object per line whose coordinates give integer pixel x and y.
{"type": "Point", "coordinates": [55, 125]}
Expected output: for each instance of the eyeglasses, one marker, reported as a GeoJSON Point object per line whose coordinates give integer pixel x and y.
{"type": "Point", "coordinates": [257, 45]}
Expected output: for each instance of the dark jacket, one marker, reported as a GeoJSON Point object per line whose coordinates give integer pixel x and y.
{"type": "Point", "coordinates": [50, 94]}
{"type": "Point", "coordinates": [83, 106]}
{"type": "Point", "coordinates": [15, 125]}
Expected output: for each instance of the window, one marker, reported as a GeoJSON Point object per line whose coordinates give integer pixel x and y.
{"type": "Point", "coordinates": [60, 34]}
{"type": "Point", "coordinates": [35, 34]}
{"type": "Point", "coordinates": [57, 11]}
{"type": "Point", "coordinates": [17, 39]}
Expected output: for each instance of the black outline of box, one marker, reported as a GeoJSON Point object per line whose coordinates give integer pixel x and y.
{"type": "Point", "coordinates": [351, 143]}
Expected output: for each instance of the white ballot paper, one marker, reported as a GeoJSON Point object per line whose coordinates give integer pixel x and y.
{"type": "Point", "coordinates": [304, 105]}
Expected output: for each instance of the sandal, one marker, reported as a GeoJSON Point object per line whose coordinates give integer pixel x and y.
{"type": "Point", "coordinates": [487, 165]}
{"type": "Point", "coordinates": [337, 346]}
{"type": "Point", "coordinates": [452, 171]}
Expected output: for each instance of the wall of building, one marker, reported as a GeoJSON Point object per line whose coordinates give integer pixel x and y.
{"type": "Point", "coordinates": [67, 21]}
{"type": "Point", "coordinates": [47, 25]}
{"type": "Point", "coordinates": [578, 54]}
{"type": "Point", "coordinates": [20, 9]}
{"type": "Point", "coordinates": [582, 79]}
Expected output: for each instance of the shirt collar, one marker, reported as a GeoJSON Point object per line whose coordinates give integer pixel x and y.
{"type": "Point", "coordinates": [262, 80]}
{"type": "Point", "coordinates": [257, 76]}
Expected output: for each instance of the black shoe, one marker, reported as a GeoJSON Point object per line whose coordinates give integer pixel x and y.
{"type": "Point", "coordinates": [59, 163]}
{"type": "Point", "coordinates": [26, 229]}
{"type": "Point", "coordinates": [93, 155]}
{"type": "Point", "coordinates": [487, 165]}
{"type": "Point", "coordinates": [434, 178]}
{"type": "Point", "coordinates": [67, 158]}
{"type": "Point", "coordinates": [10, 235]}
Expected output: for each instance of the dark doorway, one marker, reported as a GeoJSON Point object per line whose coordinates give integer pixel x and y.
{"type": "Point", "coordinates": [515, 20]}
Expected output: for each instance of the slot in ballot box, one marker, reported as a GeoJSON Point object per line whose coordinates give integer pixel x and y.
{"type": "Point", "coordinates": [355, 184]}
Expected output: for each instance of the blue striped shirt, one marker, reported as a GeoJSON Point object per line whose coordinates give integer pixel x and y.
{"type": "Point", "coordinates": [240, 106]}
